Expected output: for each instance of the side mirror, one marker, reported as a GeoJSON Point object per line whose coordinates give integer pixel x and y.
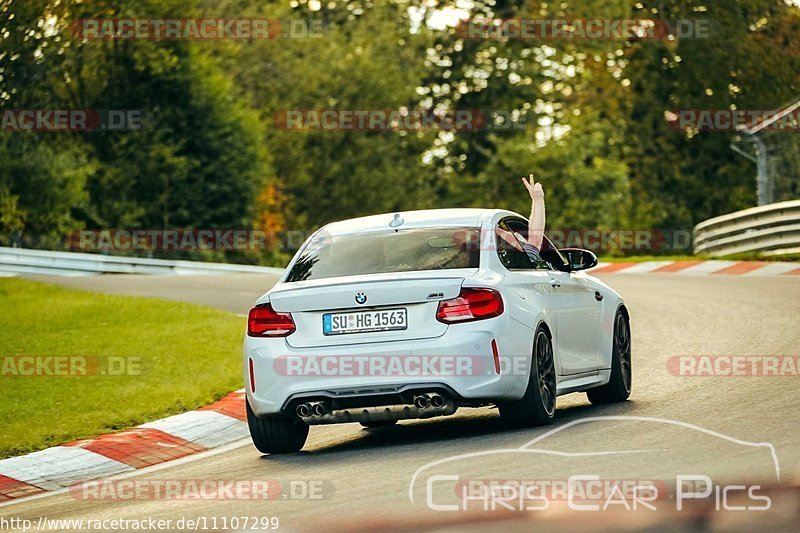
{"type": "Point", "coordinates": [579, 259]}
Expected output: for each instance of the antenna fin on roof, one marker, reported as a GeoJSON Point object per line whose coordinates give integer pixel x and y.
{"type": "Point", "coordinates": [396, 221]}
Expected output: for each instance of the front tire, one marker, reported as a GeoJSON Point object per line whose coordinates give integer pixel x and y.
{"type": "Point", "coordinates": [276, 434]}
{"type": "Point", "coordinates": [618, 388]}
{"type": "Point", "coordinates": [538, 406]}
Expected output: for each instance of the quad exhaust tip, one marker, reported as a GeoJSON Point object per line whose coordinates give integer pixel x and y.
{"type": "Point", "coordinates": [318, 409]}
{"type": "Point", "coordinates": [421, 401]}
{"type": "Point", "coordinates": [303, 410]}
{"type": "Point", "coordinates": [437, 400]}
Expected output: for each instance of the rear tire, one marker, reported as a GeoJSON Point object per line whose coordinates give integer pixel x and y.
{"type": "Point", "coordinates": [378, 424]}
{"type": "Point", "coordinates": [277, 433]}
{"type": "Point", "coordinates": [538, 406]}
{"type": "Point", "coordinates": [618, 388]}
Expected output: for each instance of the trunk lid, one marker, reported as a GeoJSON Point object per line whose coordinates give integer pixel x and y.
{"type": "Point", "coordinates": [418, 293]}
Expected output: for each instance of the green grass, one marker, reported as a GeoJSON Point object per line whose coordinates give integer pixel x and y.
{"type": "Point", "coordinates": [190, 356]}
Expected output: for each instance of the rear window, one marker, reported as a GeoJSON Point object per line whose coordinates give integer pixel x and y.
{"type": "Point", "coordinates": [387, 251]}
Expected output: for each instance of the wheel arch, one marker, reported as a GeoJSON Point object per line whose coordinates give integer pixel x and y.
{"type": "Point", "coordinates": [543, 323]}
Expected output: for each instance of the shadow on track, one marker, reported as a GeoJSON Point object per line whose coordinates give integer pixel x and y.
{"type": "Point", "coordinates": [468, 424]}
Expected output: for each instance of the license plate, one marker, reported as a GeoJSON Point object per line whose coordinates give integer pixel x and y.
{"type": "Point", "coordinates": [364, 321]}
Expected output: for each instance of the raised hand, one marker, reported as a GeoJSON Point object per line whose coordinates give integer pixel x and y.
{"type": "Point", "coordinates": [537, 219]}
{"type": "Point", "coordinates": [535, 190]}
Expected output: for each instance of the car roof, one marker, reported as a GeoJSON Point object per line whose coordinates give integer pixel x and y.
{"type": "Point", "coordinates": [464, 217]}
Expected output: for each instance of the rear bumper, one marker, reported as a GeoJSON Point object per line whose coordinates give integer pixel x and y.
{"type": "Point", "coordinates": [365, 397]}
{"type": "Point", "coordinates": [388, 403]}
{"type": "Point", "coordinates": [279, 391]}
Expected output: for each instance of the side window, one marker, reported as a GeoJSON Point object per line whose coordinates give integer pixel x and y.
{"type": "Point", "coordinates": [510, 250]}
{"type": "Point", "coordinates": [513, 249]}
{"type": "Point", "coordinates": [516, 253]}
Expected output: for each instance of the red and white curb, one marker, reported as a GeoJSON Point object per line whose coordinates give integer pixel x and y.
{"type": "Point", "coordinates": [702, 268]}
{"type": "Point", "coordinates": [170, 438]}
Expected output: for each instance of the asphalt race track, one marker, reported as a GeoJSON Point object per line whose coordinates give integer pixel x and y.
{"type": "Point", "coordinates": [365, 475]}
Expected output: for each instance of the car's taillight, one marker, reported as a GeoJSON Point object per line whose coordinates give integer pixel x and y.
{"type": "Point", "coordinates": [470, 304]}
{"type": "Point", "coordinates": [264, 321]}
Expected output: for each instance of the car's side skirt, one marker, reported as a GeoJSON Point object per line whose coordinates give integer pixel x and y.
{"type": "Point", "coordinates": [583, 382]}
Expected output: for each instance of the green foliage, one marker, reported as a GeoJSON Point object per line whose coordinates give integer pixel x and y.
{"type": "Point", "coordinates": [47, 179]}
{"type": "Point", "coordinates": [587, 180]}
{"type": "Point", "coordinates": [749, 61]}
{"type": "Point", "coordinates": [367, 63]}
{"type": "Point", "coordinates": [12, 218]}
{"type": "Point", "coordinates": [199, 160]}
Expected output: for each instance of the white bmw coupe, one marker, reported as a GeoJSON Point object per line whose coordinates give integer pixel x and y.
{"type": "Point", "coordinates": [415, 314]}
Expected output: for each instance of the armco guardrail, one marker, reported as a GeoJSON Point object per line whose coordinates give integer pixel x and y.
{"type": "Point", "coordinates": [772, 229]}
{"type": "Point", "coordinates": [25, 261]}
